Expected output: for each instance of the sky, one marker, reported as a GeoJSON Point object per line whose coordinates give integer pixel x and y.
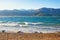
{"type": "Point", "coordinates": [28, 4]}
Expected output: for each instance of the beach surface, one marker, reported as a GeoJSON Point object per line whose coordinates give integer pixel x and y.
{"type": "Point", "coordinates": [29, 36]}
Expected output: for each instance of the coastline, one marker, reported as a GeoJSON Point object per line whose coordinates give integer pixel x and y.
{"type": "Point", "coordinates": [9, 28]}
{"type": "Point", "coordinates": [29, 16]}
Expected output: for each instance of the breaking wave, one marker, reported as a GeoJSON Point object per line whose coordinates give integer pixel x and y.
{"type": "Point", "coordinates": [27, 27]}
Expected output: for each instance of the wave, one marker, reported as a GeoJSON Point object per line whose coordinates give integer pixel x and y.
{"type": "Point", "coordinates": [27, 27]}
{"type": "Point", "coordinates": [20, 23]}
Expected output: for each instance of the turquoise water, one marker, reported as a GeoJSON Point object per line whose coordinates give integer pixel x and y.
{"type": "Point", "coordinates": [45, 23]}
{"type": "Point", "coordinates": [46, 19]}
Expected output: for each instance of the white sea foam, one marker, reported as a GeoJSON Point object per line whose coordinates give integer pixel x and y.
{"type": "Point", "coordinates": [15, 27]}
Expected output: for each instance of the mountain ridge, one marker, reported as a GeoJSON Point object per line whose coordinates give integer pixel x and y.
{"type": "Point", "coordinates": [38, 12]}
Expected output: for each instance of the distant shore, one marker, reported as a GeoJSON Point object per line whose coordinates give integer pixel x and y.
{"type": "Point", "coordinates": [29, 16]}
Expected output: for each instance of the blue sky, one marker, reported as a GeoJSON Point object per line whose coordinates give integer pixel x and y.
{"type": "Point", "coordinates": [28, 4]}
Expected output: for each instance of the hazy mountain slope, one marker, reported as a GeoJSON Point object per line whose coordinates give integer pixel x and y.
{"type": "Point", "coordinates": [37, 12]}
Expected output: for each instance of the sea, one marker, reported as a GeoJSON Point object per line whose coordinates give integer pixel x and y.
{"type": "Point", "coordinates": [30, 24]}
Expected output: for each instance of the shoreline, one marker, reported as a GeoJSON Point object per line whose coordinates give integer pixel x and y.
{"type": "Point", "coordinates": [29, 16]}
{"type": "Point", "coordinates": [29, 36]}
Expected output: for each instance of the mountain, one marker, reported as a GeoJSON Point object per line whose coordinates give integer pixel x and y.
{"type": "Point", "coordinates": [49, 12]}
{"type": "Point", "coordinates": [38, 12]}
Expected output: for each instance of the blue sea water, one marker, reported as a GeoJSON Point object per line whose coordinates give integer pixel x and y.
{"type": "Point", "coordinates": [46, 19]}
{"type": "Point", "coordinates": [37, 23]}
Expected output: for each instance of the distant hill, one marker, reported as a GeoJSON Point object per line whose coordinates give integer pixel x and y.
{"type": "Point", "coordinates": [37, 12]}
{"type": "Point", "coordinates": [48, 12]}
